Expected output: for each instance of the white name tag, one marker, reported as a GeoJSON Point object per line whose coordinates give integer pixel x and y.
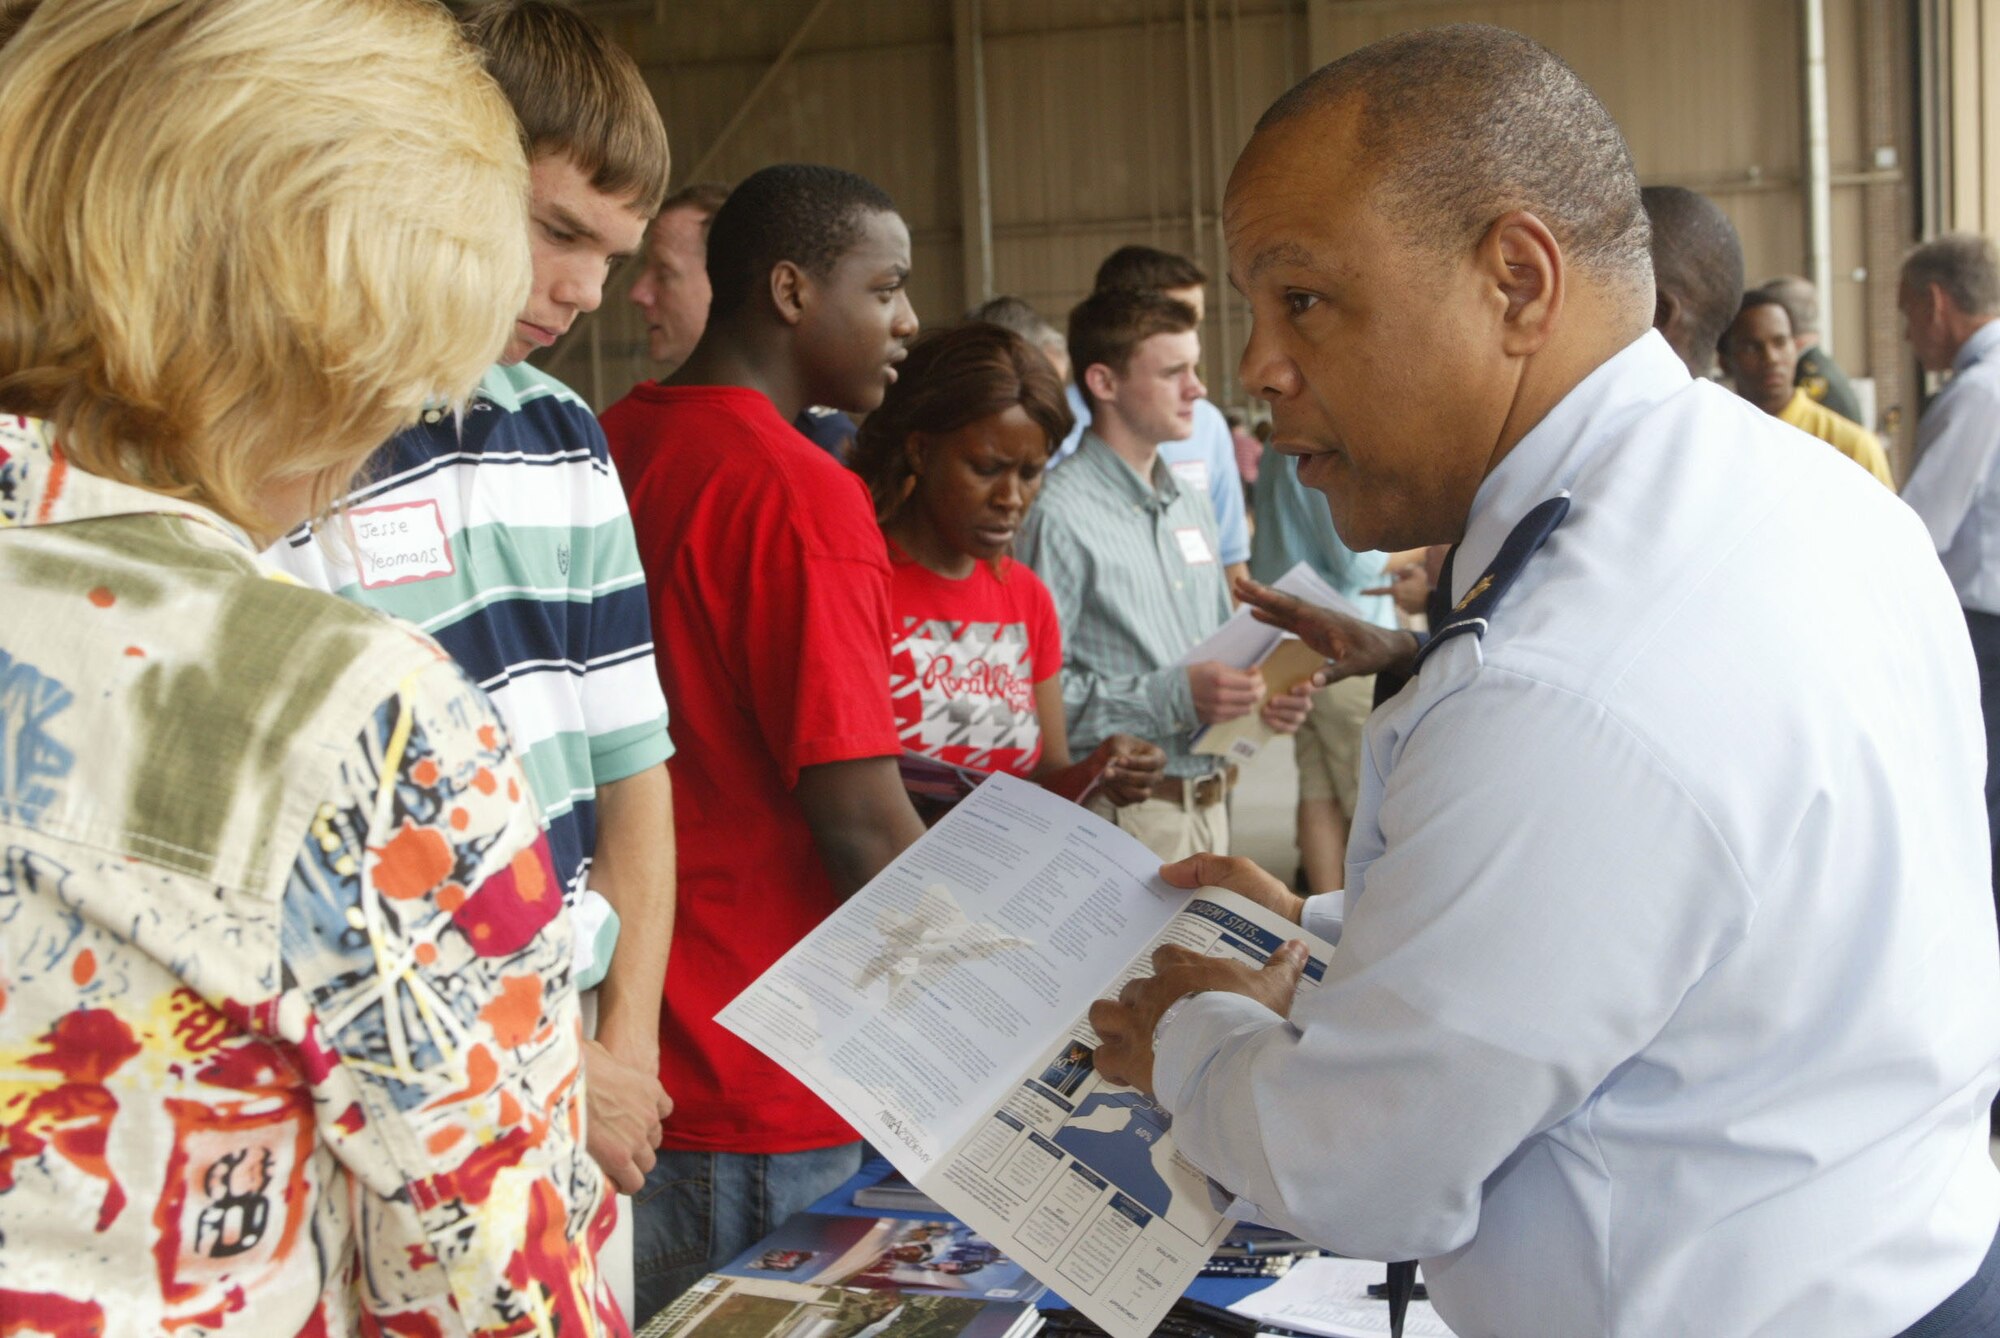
{"type": "Point", "coordinates": [400, 543]}
{"type": "Point", "coordinates": [1194, 547]}
{"type": "Point", "coordinates": [1194, 473]}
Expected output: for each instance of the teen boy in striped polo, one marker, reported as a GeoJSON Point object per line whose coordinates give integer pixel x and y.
{"type": "Point", "coordinates": [502, 531]}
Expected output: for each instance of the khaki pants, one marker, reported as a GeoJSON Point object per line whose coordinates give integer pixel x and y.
{"type": "Point", "coordinates": [1328, 750]}
{"type": "Point", "coordinates": [1171, 829]}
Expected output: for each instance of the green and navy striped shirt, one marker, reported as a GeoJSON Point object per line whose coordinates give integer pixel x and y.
{"type": "Point", "coordinates": [1134, 571]}
{"type": "Point", "coordinates": [503, 532]}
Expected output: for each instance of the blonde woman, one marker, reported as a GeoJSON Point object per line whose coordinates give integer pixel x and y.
{"type": "Point", "coordinates": [287, 1038]}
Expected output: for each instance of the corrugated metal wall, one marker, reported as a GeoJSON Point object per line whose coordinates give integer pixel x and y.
{"type": "Point", "coordinates": [1117, 120]}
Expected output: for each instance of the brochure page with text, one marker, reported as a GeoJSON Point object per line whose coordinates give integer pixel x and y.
{"type": "Point", "coordinates": [943, 1011]}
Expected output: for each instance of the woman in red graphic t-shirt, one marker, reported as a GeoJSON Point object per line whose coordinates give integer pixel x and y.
{"type": "Point", "coordinates": [954, 458]}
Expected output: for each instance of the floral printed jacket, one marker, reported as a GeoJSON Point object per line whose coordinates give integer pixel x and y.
{"type": "Point", "coordinates": [288, 1041]}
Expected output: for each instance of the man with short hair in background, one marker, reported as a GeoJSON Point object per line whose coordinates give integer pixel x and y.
{"type": "Point", "coordinates": [1697, 273]}
{"type": "Point", "coordinates": [1016, 314]}
{"type": "Point", "coordinates": [673, 294]}
{"type": "Point", "coordinates": [1293, 526]}
{"type": "Point", "coordinates": [1127, 549]}
{"type": "Point", "coordinates": [1818, 374]}
{"type": "Point", "coordinates": [1205, 458]}
{"type": "Point", "coordinates": [672, 288]}
{"type": "Point", "coordinates": [1949, 294]}
{"type": "Point", "coordinates": [1759, 353]}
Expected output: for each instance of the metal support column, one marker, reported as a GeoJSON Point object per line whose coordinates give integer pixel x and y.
{"type": "Point", "coordinates": [1194, 137]}
{"type": "Point", "coordinates": [1818, 174]}
{"type": "Point", "coordinates": [1225, 360]}
{"type": "Point", "coordinates": [975, 176]}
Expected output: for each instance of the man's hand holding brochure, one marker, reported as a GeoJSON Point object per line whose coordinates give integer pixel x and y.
{"type": "Point", "coordinates": [944, 1012]}
{"type": "Point", "coordinates": [1280, 659]}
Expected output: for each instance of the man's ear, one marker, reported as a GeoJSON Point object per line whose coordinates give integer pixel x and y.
{"type": "Point", "coordinates": [1666, 312]}
{"type": "Point", "coordinates": [790, 292]}
{"type": "Point", "coordinates": [1522, 260]}
{"type": "Point", "coordinates": [913, 452]}
{"type": "Point", "coordinates": [1101, 382]}
{"type": "Point", "coordinates": [1941, 305]}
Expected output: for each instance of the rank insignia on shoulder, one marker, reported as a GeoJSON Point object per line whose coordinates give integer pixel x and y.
{"type": "Point", "coordinates": [1470, 614]}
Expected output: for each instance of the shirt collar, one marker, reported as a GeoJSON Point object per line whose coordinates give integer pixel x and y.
{"type": "Point", "coordinates": [1122, 478]}
{"type": "Point", "coordinates": [39, 486]}
{"type": "Point", "coordinates": [1548, 458]}
{"type": "Point", "coordinates": [1978, 346]}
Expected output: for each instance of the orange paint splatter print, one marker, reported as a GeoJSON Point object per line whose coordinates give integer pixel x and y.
{"type": "Point", "coordinates": [414, 861]}
{"type": "Point", "coordinates": [517, 1013]}
{"type": "Point", "coordinates": [201, 1089]}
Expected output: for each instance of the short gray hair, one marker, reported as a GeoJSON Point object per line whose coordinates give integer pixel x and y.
{"type": "Point", "coordinates": [1961, 263]}
{"type": "Point", "coordinates": [1468, 121]}
{"type": "Point", "coordinates": [1016, 314]}
{"type": "Point", "coordinates": [1796, 294]}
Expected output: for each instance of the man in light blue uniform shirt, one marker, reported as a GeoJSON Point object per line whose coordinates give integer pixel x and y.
{"type": "Point", "coordinates": [1205, 459]}
{"type": "Point", "coordinates": [1666, 987]}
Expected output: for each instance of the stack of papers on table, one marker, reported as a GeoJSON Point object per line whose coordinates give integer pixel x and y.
{"type": "Point", "coordinates": [943, 1255]}
{"type": "Point", "coordinates": [827, 1276]}
{"type": "Point", "coordinates": [1330, 1297]}
{"type": "Point", "coordinates": [725, 1307]}
{"type": "Point", "coordinates": [895, 1192]}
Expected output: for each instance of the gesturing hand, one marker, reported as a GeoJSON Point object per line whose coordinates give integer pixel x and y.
{"type": "Point", "coordinates": [624, 1107]}
{"type": "Point", "coordinates": [1125, 1026]}
{"type": "Point", "coordinates": [1354, 646]}
{"type": "Point", "coordinates": [1222, 693]}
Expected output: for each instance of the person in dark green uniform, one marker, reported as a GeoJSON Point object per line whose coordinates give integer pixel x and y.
{"type": "Point", "coordinates": [1819, 375]}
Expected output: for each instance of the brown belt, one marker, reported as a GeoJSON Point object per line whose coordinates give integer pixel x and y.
{"type": "Point", "coordinates": [1207, 789]}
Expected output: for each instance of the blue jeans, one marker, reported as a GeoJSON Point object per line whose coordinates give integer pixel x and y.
{"type": "Point", "coordinates": [699, 1210]}
{"type": "Point", "coordinates": [1973, 1311]}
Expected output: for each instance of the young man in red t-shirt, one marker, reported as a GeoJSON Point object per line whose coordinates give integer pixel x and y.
{"type": "Point", "coordinates": [769, 583]}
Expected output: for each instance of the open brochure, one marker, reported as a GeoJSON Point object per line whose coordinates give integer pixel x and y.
{"type": "Point", "coordinates": [1284, 661]}
{"type": "Point", "coordinates": [943, 1012]}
